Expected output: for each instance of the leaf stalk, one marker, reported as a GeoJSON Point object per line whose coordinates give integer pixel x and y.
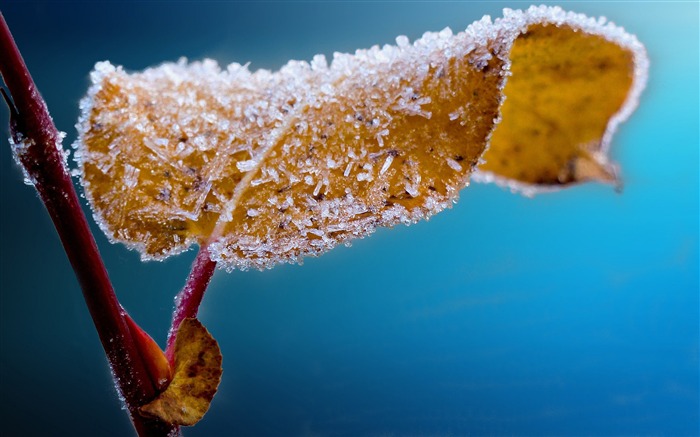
{"type": "Point", "coordinates": [188, 300]}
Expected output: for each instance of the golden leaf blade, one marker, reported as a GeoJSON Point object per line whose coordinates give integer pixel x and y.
{"type": "Point", "coordinates": [197, 376]}
{"type": "Point", "coordinates": [565, 87]}
{"type": "Point", "coordinates": [351, 177]}
{"type": "Point", "coordinates": [269, 167]}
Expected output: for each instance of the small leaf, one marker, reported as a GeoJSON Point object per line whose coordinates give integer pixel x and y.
{"type": "Point", "coordinates": [197, 376]}
{"type": "Point", "coordinates": [269, 167]}
{"type": "Point", "coordinates": [156, 363]}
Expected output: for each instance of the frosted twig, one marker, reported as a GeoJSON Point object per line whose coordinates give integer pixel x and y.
{"type": "Point", "coordinates": [37, 147]}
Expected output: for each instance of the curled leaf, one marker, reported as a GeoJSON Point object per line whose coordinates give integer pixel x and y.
{"type": "Point", "coordinates": [268, 167]}
{"type": "Point", "coordinates": [566, 87]}
{"type": "Point", "coordinates": [196, 378]}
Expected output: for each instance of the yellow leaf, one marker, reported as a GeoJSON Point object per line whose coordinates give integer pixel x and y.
{"type": "Point", "coordinates": [565, 87]}
{"type": "Point", "coordinates": [196, 378]}
{"type": "Point", "coordinates": [269, 167]}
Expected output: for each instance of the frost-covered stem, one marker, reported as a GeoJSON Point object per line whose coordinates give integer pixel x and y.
{"type": "Point", "coordinates": [37, 147]}
{"type": "Point", "coordinates": [188, 300]}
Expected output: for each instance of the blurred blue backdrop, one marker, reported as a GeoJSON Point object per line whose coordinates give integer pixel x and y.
{"type": "Point", "coordinates": [573, 313]}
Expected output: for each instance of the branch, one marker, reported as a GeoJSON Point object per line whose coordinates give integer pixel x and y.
{"type": "Point", "coordinates": [188, 300]}
{"type": "Point", "coordinates": [37, 147]}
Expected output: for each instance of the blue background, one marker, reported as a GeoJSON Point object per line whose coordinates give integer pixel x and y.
{"type": "Point", "coordinates": [573, 313]}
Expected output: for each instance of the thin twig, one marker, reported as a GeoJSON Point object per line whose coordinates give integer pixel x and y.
{"type": "Point", "coordinates": [188, 300]}
{"type": "Point", "coordinates": [37, 145]}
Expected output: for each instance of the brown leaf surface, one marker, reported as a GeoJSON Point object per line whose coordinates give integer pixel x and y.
{"type": "Point", "coordinates": [196, 378]}
{"type": "Point", "coordinates": [268, 167]}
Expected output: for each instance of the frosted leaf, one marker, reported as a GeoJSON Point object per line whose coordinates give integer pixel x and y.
{"type": "Point", "coordinates": [270, 167]}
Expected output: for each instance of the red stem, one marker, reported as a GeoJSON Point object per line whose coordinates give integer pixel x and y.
{"type": "Point", "coordinates": [188, 300]}
{"type": "Point", "coordinates": [38, 148]}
